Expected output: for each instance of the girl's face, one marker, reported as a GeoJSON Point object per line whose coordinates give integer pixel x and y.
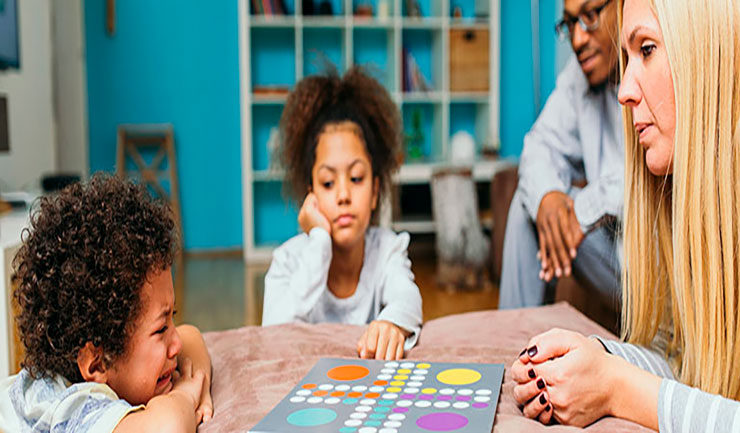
{"type": "Point", "coordinates": [343, 182]}
{"type": "Point", "coordinates": [647, 85]}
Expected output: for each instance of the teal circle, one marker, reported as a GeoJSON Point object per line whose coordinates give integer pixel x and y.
{"type": "Point", "coordinates": [347, 429]}
{"type": "Point", "coordinates": [382, 409]}
{"type": "Point", "coordinates": [385, 402]}
{"type": "Point", "coordinates": [350, 401]}
{"type": "Point", "coordinates": [373, 423]}
{"type": "Point", "coordinates": [311, 417]}
{"type": "Point", "coordinates": [377, 416]}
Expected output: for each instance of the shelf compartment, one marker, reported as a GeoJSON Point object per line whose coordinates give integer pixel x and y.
{"type": "Point", "coordinates": [427, 8]}
{"type": "Point", "coordinates": [472, 118]}
{"type": "Point", "coordinates": [426, 119]}
{"type": "Point", "coordinates": [275, 219]}
{"type": "Point", "coordinates": [272, 62]}
{"type": "Point", "coordinates": [264, 119]}
{"type": "Point", "coordinates": [373, 50]}
{"type": "Point", "coordinates": [425, 47]}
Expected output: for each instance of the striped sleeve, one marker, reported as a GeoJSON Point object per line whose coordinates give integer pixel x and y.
{"type": "Point", "coordinates": [642, 357]}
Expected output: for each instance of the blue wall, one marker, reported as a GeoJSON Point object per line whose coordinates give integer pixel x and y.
{"type": "Point", "coordinates": [176, 62]}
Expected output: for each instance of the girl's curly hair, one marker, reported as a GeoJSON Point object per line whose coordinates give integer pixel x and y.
{"type": "Point", "coordinates": [81, 268]}
{"type": "Point", "coordinates": [321, 100]}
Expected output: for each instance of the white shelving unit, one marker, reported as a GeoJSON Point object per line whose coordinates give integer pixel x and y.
{"type": "Point", "coordinates": [439, 101]}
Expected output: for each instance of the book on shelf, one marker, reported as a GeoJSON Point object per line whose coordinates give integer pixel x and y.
{"type": "Point", "coordinates": [413, 79]}
{"type": "Point", "coordinates": [269, 8]}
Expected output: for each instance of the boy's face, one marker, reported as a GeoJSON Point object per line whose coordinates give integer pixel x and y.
{"type": "Point", "coordinates": [343, 183]}
{"type": "Point", "coordinates": [145, 369]}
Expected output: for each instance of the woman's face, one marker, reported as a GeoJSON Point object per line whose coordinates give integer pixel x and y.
{"type": "Point", "coordinates": [647, 85]}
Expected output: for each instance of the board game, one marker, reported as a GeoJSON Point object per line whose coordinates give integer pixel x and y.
{"type": "Point", "coordinates": [367, 396]}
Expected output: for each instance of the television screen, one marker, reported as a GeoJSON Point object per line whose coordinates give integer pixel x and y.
{"type": "Point", "coordinates": [9, 53]}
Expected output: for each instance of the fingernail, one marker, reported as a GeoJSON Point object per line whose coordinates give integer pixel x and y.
{"type": "Point", "coordinates": [558, 272]}
{"type": "Point", "coordinates": [543, 400]}
{"type": "Point", "coordinates": [531, 373]}
{"type": "Point", "coordinates": [573, 253]}
{"type": "Point", "coordinates": [523, 352]}
{"type": "Point", "coordinates": [540, 383]}
{"type": "Point", "coordinates": [532, 351]}
{"type": "Point", "coordinates": [547, 409]}
{"type": "Point", "coordinates": [567, 271]}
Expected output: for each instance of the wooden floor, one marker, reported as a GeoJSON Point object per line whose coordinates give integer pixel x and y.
{"type": "Point", "coordinates": [222, 293]}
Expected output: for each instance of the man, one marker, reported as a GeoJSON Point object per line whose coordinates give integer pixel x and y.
{"type": "Point", "coordinates": [554, 227]}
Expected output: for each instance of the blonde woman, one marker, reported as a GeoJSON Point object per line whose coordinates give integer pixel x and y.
{"type": "Point", "coordinates": [680, 369]}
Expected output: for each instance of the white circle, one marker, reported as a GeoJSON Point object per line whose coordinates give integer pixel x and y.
{"type": "Point", "coordinates": [298, 399]}
{"type": "Point", "coordinates": [390, 396]}
{"type": "Point", "coordinates": [326, 387]}
{"type": "Point", "coordinates": [388, 430]}
{"type": "Point", "coordinates": [392, 364]}
{"type": "Point", "coordinates": [421, 371]}
{"type": "Point", "coordinates": [396, 417]}
{"type": "Point", "coordinates": [411, 390]}
{"type": "Point", "coordinates": [460, 405]}
{"type": "Point", "coordinates": [484, 392]}
{"type": "Point", "coordinates": [342, 387]}
{"type": "Point", "coordinates": [482, 399]}
{"type": "Point", "coordinates": [392, 424]}
{"type": "Point", "coordinates": [363, 408]}
{"type": "Point", "coordinates": [382, 377]}
{"type": "Point", "coordinates": [414, 384]}
{"type": "Point", "coordinates": [407, 365]}
{"type": "Point", "coordinates": [376, 389]}
{"type": "Point", "coordinates": [441, 404]}
{"type": "Point", "coordinates": [359, 388]}
{"type": "Point", "coordinates": [352, 422]}
{"type": "Point", "coordinates": [417, 378]}
{"type": "Point", "coordinates": [303, 392]}
{"type": "Point", "coordinates": [367, 402]}
{"type": "Point", "coordinates": [314, 400]}
{"type": "Point", "coordinates": [447, 391]}
{"type": "Point", "coordinates": [388, 370]}
{"type": "Point", "coordinates": [404, 403]}
{"type": "Point", "coordinates": [332, 400]}
{"type": "Point", "coordinates": [358, 415]}
{"type": "Point", "coordinates": [367, 430]}
{"type": "Point", "coordinates": [422, 403]}
{"type": "Point", "coordinates": [465, 391]}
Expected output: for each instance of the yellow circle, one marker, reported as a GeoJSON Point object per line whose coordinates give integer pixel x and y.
{"type": "Point", "coordinates": [459, 376]}
{"type": "Point", "coordinates": [428, 391]}
{"type": "Point", "coordinates": [398, 383]}
{"type": "Point", "coordinates": [393, 389]}
{"type": "Point", "coordinates": [423, 365]}
{"type": "Point", "coordinates": [404, 371]}
{"type": "Point", "coordinates": [400, 377]}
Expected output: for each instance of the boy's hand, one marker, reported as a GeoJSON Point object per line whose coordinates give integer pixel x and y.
{"type": "Point", "coordinates": [205, 406]}
{"type": "Point", "coordinates": [382, 340]}
{"type": "Point", "coordinates": [189, 384]}
{"type": "Point", "coordinates": [310, 215]}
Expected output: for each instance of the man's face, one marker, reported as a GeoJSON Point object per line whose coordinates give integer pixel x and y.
{"type": "Point", "coordinates": [596, 49]}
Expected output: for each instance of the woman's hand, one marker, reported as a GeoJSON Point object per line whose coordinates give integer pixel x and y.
{"type": "Point", "coordinates": [565, 376]}
{"type": "Point", "coordinates": [382, 340]}
{"type": "Point", "coordinates": [310, 215]}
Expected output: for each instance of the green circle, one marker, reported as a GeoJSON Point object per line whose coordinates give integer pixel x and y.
{"type": "Point", "coordinates": [311, 417]}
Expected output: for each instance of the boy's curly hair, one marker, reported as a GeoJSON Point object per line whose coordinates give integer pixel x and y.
{"type": "Point", "coordinates": [81, 268]}
{"type": "Point", "coordinates": [322, 100]}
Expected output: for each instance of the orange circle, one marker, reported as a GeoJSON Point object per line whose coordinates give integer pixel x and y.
{"type": "Point", "coordinates": [337, 394]}
{"type": "Point", "coordinates": [348, 372]}
{"type": "Point", "coordinates": [320, 393]}
{"type": "Point", "coordinates": [372, 395]}
{"type": "Point", "coordinates": [309, 386]}
{"type": "Point", "coordinates": [354, 394]}
{"type": "Point", "coordinates": [380, 383]}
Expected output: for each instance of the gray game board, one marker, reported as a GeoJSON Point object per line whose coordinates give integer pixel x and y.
{"type": "Point", "coordinates": [361, 396]}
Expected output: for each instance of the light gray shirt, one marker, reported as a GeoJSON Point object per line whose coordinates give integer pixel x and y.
{"type": "Point", "coordinates": [578, 135]}
{"type": "Point", "coordinates": [296, 284]}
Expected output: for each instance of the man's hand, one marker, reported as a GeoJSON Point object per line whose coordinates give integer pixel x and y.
{"type": "Point", "coordinates": [382, 340]}
{"type": "Point", "coordinates": [559, 234]}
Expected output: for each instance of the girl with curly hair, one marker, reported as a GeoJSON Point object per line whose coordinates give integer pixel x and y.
{"type": "Point", "coordinates": [96, 306]}
{"type": "Point", "coordinates": [340, 144]}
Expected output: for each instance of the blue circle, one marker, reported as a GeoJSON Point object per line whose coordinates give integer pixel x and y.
{"type": "Point", "coordinates": [382, 409]}
{"type": "Point", "coordinates": [373, 423]}
{"type": "Point", "coordinates": [385, 402]}
{"type": "Point", "coordinates": [311, 417]}
{"type": "Point", "coordinates": [350, 401]}
{"type": "Point", "coordinates": [347, 429]}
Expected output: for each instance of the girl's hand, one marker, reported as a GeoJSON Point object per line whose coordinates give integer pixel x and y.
{"type": "Point", "coordinates": [382, 340]}
{"type": "Point", "coordinates": [188, 384]}
{"type": "Point", "coordinates": [572, 373]}
{"type": "Point", "coordinates": [310, 215]}
{"type": "Point", "coordinates": [204, 411]}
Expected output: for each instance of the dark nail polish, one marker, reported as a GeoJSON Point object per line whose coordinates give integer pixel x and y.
{"type": "Point", "coordinates": [523, 352]}
{"type": "Point", "coordinates": [532, 351]}
{"type": "Point", "coordinates": [547, 409]}
{"type": "Point", "coordinates": [540, 383]}
{"type": "Point", "coordinates": [543, 400]}
{"type": "Point", "coordinates": [531, 373]}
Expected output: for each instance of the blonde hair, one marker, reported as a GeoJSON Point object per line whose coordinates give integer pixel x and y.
{"type": "Point", "coordinates": [682, 232]}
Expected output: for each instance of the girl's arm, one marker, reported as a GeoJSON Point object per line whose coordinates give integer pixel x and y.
{"type": "Point", "coordinates": [194, 348]}
{"type": "Point", "coordinates": [297, 278]}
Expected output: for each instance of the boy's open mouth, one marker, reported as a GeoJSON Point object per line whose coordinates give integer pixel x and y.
{"type": "Point", "coordinates": [164, 379]}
